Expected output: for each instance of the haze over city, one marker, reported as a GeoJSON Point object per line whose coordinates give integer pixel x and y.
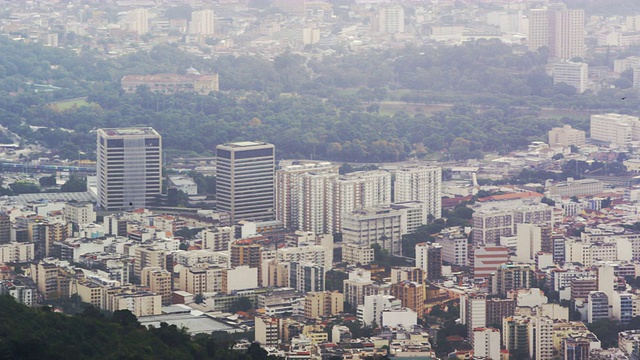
{"type": "Point", "coordinates": [320, 179]}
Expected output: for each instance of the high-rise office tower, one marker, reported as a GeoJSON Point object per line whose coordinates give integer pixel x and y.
{"type": "Point", "coordinates": [558, 28]}
{"type": "Point", "coordinates": [420, 183]}
{"type": "Point", "coordinates": [129, 167]}
{"type": "Point", "coordinates": [245, 180]}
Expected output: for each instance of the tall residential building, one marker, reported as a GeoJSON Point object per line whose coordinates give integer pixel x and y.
{"type": "Point", "coordinates": [560, 29]}
{"type": "Point", "coordinates": [486, 343]}
{"type": "Point", "coordinates": [574, 74]}
{"type": "Point", "coordinates": [217, 238]}
{"type": "Point", "coordinates": [380, 226]}
{"type": "Point", "coordinates": [391, 19]}
{"type": "Point", "coordinates": [541, 329]}
{"type": "Point", "coordinates": [202, 22]}
{"type": "Point", "coordinates": [597, 306]}
{"type": "Point", "coordinates": [129, 168]}
{"type": "Point", "coordinates": [566, 136]}
{"type": "Point", "coordinates": [615, 130]}
{"type": "Point", "coordinates": [158, 281]}
{"type": "Point", "coordinates": [5, 228]}
{"type": "Point", "coordinates": [429, 259]}
{"type": "Point", "coordinates": [489, 224]}
{"type": "Point", "coordinates": [529, 242]}
{"type": "Point", "coordinates": [515, 334]}
{"type": "Point", "coordinates": [299, 193]}
{"type": "Point", "coordinates": [455, 248]}
{"type": "Point", "coordinates": [510, 277]}
{"type": "Point", "coordinates": [420, 183]}
{"type": "Point", "coordinates": [325, 303]}
{"type": "Point", "coordinates": [245, 180]}
{"type": "Point", "coordinates": [411, 294]}
{"type": "Point", "coordinates": [306, 277]}
{"type": "Point", "coordinates": [137, 20]}
{"type": "Point", "coordinates": [486, 260]}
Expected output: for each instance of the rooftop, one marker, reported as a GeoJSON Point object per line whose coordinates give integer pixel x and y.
{"type": "Point", "coordinates": [129, 131]}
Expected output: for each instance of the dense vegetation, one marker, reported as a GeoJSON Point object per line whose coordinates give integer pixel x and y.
{"type": "Point", "coordinates": [327, 108]}
{"type": "Point", "coordinates": [27, 333]}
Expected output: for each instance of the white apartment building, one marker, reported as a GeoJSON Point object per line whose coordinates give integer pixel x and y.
{"type": "Point", "coordinates": [576, 188]}
{"type": "Point", "coordinates": [314, 254]}
{"type": "Point", "coordinates": [573, 74]}
{"type": "Point", "coordinates": [420, 183]}
{"type": "Point", "coordinates": [391, 19]}
{"type": "Point", "coordinates": [616, 130]}
{"type": "Point", "coordinates": [529, 242]}
{"type": "Point", "coordinates": [371, 310]}
{"type": "Point", "coordinates": [355, 254]}
{"type": "Point", "coordinates": [541, 327]}
{"type": "Point", "coordinates": [22, 293]}
{"type": "Point", "coordinates": [369, 226]}
{"type": "Point", "coordinates": [79, 213]}
{"type": "Point", "coordinates": [489, 224]}
{"type": "Point", "coordinates": [16, 252]}
{"type": "Point", "coordinates": [218, 238]}
{"type": "Point", "coordinates": [455, 248]}
{"type": "Point", "coordinates": [486, 343]}
{"type": "Point", "coordinates": [202, 22]}
{"type": "Point", "coordinates": [129, 168]}
{"type": "Point", "coordinates": [313, 197]}
{"type": "Point", "coordinates": [137, 20]}
{"type": "Point", "coordinates": [295, 187]}
{"type": "Point", "coordinates": [566, 136]}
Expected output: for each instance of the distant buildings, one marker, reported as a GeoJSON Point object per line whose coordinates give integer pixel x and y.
{"type": "Point", "coordinates": [129, 168]}
{"type": "Point", "coordinates": [171, 83]}
{"type": "Point", "coordinates": [574, 74]}
{"type": "Point", "coordinates": [420, 183]}
{"type": "Point", "coordinates": [560, 29]}
{"type": "Point", "coordinates": [566, 136]}
{"type": "Point", "coordinates": [615, 130]}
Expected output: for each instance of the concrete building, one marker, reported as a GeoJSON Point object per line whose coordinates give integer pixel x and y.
{"type": "Point", "coordinates": [411, 294]}
{"type": "Point", "coordinates": [16, 252]}
{"type": "Point", "coordinates": [487, 259]}
{"type": "Point", "coordinates": [306, 277]}
{"type": "Point", "coordinates": [16, 289]}
{"type": "Point", "coordinates": [615, 130]}
{"type": "Point", "coordinates": [217, 238]}
{"type": "Point", "coordinates": [574, 74]}
{"type": "Point", "coordinates": [391, 19]}
{"type": "Point", "coordinates": [566, 136]}
{"type": "Point", "coordinates": [516, 335]}
{"type": "Point", "coordinates": [137, 20]}
{"type": "Point", "coordinates": [541, 329]}
{"type": "Point", "coordinates": [171, 83]}
{"type": "Point", "coordinates": [490, 224]}
{"type": "Point", "coordinates": [314, 254]}
{"type": "Point", "coordinates": [370, 226]}
{"type": "Point", "coordinates": [597, 306]}
{"type": "Point", "coordinates": [400, 317]}
{"type": "Point", "coordinates": [355, 254]}
{"type": "Point", "coordinates": [129, 168]}
{"type": "Point", "coordinates": [509, 277]}
{"type": "Point", "coordinates": [321, 304]}
{"type": "Point", "coordinates": [79, 213]}
{"type": "Point", "coordinates": [420, 183]}
{"type": "Point", "coordinates": [201, 279]}
{"type": "Point", "coordinates": [202, 22]}
{"type": "Point", "coordinates": [292, 7]}
{"type": "Point", "coordinates": [429, 259]}
{"type": "Point", "coordinates": [529, 242]}
{"type": "Point", "coordinates": [576, 188]}
{"type": "Point", "coordinates": [267, 330]}
{"type": "Point", "coordinates": [245, 180]}
{"type": "Point", "coordinates": [371, 311]}
{"type": "Point", "coordinates": [560, 29]}
{"type": "Point", "coordinates": [149, 257]}
{"type": "Point", "coordinates": [299, 193]}
{"type": "Point", "coordinates": [486, 343]}
{"type": "Point", "coordinates": [159, 282]}
{"type": "Point", "coordinates": [455, 248]}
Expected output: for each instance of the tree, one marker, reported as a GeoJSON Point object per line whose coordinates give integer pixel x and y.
{"type": "Point", "coordinates": [47, 181]}
{"type": "Point", "coordinates": [22, 187]}
{"type": "Point", "coordinates": [241, 304]}
{"type": "Point", "coordinates": [74, 184]}
{"type": "Point", "coordinates": [125, 318]}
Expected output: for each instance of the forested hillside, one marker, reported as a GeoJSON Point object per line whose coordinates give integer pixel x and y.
{"type": "Point", "coordinates": [327, 108]}
{"type": "Point", "coordinates": [27, 333]}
